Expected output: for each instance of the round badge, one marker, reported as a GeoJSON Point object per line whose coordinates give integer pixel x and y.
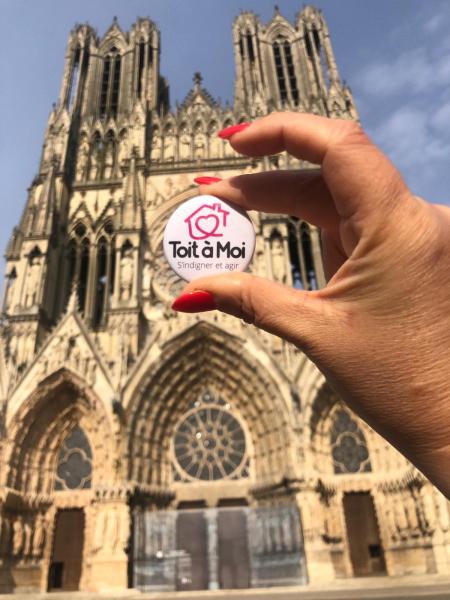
{"type": "Point", "coordinates": [206, 236]}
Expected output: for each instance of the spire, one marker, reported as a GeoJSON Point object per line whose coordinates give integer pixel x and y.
{"type": "Point", "coordinates": [197, 81]}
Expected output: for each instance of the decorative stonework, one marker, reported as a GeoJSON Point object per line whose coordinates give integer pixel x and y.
{"type": "Point", "coordinates": [113, 405]}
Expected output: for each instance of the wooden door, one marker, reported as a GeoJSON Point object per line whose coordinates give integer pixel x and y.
{"type": "Point", "coordinates": [192, 539]}
{"type": "Point", "coordinates": [366, 551]}
{"type": "Point", "coordinates": [67, 553]}
{"type": "Point", "coordinates": [234, 567]}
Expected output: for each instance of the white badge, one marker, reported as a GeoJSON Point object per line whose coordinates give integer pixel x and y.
{"type": "Point", "coordinates": [206, 236]}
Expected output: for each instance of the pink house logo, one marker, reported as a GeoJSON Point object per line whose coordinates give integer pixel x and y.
{"type": "Point", "coordinates": [207, 221]}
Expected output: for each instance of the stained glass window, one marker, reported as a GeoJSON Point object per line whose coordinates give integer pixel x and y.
{"type": "Point", "coordinates": [74, 470]}
{"type": "Point", "coordinates": [348, 445]}
{"type": "Point", "coordinates": [209, 443]}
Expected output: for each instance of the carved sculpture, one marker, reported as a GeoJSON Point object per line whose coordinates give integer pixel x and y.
{"type": "Point", "coordinates": [126, 274]}
{"type": "Point", "coordinates": [95, 162]}
{"type": "Point", "coordinates": [39, 536]}
{"type": "Point", "coordinates": [17, 537]}
{"type": "Point", "coordinates": [278, 259]}
{"type": "Point", "coordinates": [156, 148]}
{"type": "Point", "coordinates": [169, 147]}
{"type": "Point", "coordinates": [109, 160]}
{"type": "Point", "coordinates": [32, 281]}
{"type": "Point", "coordinates": [123, 148]}
{"type": "Point", "coordinates": [82, 159]}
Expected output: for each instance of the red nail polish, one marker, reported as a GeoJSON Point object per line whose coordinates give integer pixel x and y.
{"type": "Point", "coordinates": [226, 133]}
{"type": "Point", "coordinates": [205, 180]}
{"type": "Point", "coordinates": [192, 302]}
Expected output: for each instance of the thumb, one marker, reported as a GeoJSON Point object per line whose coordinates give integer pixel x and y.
{"type": "Point", "coordinates": [296, 316]}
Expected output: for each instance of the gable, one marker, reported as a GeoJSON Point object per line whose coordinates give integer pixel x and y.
{"type": "Point", "coordinates": [68, 347]}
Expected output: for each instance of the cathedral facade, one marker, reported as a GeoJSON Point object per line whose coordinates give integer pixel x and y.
{"type": "Point", "coordinates": [161, 451]}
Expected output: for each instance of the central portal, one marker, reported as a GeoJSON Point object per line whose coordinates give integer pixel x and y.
{"type": "Point", "coordinates": [217, 548]}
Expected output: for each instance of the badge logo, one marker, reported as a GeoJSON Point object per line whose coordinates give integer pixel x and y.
{"type": "Point", "coordinates": [206, 235]}
{"type": "Point", "coordinates": [207, 221]}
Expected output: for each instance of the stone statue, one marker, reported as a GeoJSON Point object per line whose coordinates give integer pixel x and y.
{"type": "Point", "coordinates": [126, 274]}
{"type": "Point", "coordinates": [39, 536]}
{"type": "Point", "coordinates": [169, 147]}
{"type": "Point", "coordinates": [146, 276]}
{"type": "Point", "coordinates": [27, 533]}
{"type": "Point", "coordinates": [95, 162]}
{"type": "Point", "coordinates": [199, 146]}
{"type": "Point", "coordinates": [400, 516]}
{"type": "Point", "coordinates": [17, 537]}
{"type": "Point", "coordinates": [109, 160]}
{"type": "Point", "coordinates": [32, 280]}
{"type": "Point", "coordinates": [82, 159]}
{"type": "Point", "coordinates": [278, 259]}
{"type": "Point", "coordinates": [185, 147]}
{"type": "Point", "coordinates": [123, 148]}
{"type": "Point", "coordinates": [156, 148]}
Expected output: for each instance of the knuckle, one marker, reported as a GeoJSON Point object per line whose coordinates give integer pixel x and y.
{"type": "Point", "coordinates": [351, 131]}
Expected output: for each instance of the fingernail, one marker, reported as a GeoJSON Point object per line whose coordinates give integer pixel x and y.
{"type": "Point", "coordinates": [226, 133]}
{"type": "Point", "coordinates": [205, 180]}
{"type": "Point", "coordinates": [192, 302]}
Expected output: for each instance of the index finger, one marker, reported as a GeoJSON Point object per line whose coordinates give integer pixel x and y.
{"type": "Point", "coordinates": [359, 176]}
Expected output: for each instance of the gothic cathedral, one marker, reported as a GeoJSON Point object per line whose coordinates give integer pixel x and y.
{"type": "Point", "coordinates": [161, 451]}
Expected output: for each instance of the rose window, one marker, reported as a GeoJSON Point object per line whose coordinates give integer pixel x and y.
{"type": "Point", "coordinates": [209, 444]}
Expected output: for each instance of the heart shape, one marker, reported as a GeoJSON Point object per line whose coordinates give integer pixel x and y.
{"type": "Point", "coordinates": [207, 225]}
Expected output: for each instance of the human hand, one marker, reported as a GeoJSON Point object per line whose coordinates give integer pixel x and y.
{"type": "Point", "coordinates": [379, 331]}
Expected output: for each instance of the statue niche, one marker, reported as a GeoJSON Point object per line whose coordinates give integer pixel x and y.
{"type": "Point", "coordinates": [278, 258]}
{"type": "Point", "coordinates": [96, 157]}
{"type": "Point", "coordinates": [33, 278]}
{"type": "Point", "coordinates": [185, 147]}
{"type": "Point", "coordinates": [156, 149]}
{"type": "Point", "coordinates": [122, 154]}
{"type": "Point", "coordinates": [82, 158]}
{"type": "Point", "coordinates": [169, 144]}
{"type": "Point", "coordinates": [108, 168]}
{"type": "Point", "coordinates": [126, 271]}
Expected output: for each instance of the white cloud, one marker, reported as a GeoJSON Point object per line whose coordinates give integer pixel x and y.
{"type": "Point", "coordinates": [410, 139]}
{"type": "Point", "coordinates": [406, 100]}
{"type": "Point", "coordinates": [412, 72]}
{"type": "Point", "coordinates": [434, 23]}
{"type": "Point", "coordinates": [440, 120]}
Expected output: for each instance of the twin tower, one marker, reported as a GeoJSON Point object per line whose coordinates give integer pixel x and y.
{"type": "Point", "coordinates": [114, 152]}
{"type": "Point", "coordinates": [145, 448]}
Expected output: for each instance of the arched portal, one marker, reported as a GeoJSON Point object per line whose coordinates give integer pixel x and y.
{"type": "Point", "coordinates": [62, 446]}
{"type": "Point", "coordinates": [205, 358]}
{"type": "Point", "coordinates": [210, 424]}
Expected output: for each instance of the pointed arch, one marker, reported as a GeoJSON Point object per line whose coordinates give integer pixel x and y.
{"type": "Point", "coordinates": [73, 81]}
{"type": "Point", "coordinates": [110, 84]}
{"type": "Point", "coordinates": [74, 462]}
{"type": "Point", "coordinates": [205, 357]}
{"type": "Point", "coordinates": [61, 403]}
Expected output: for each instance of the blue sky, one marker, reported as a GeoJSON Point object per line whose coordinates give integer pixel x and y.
{"type": "Point", "coordinates": [395, 54]}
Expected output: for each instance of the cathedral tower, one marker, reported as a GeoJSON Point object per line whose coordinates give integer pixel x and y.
{"type": "Point", "coordinates": [180, 451]}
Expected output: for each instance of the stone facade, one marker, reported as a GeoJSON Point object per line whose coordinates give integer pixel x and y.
{"type": "Point", "coordinates": [124, 426]}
